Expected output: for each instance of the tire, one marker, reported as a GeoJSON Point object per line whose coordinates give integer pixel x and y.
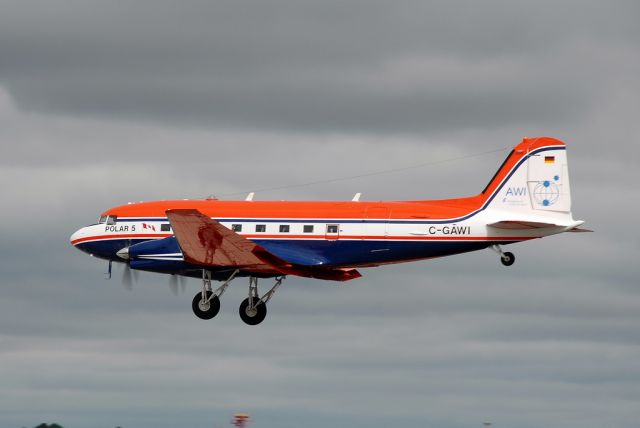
{"type": "Point", "coordinates": [208, 311]}
{"type": "Point", "coordinates": [252, 319]}
{"type": "Point", "coordinates": [508, 259]}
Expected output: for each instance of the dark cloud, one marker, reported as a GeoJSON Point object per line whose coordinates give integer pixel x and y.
{"type": "Point", "coordinates": [410, 67]}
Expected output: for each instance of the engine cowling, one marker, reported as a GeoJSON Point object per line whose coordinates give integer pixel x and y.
{"type": "Point", "coordinates": [156, 255]}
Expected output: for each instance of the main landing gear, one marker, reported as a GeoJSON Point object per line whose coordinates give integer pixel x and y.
{"type": "Point", "coordinates": [506, 258]}
{"type": "Point", "coordinates": [253, 309]}
{"type": "Point", "coordinates": [206, 304]}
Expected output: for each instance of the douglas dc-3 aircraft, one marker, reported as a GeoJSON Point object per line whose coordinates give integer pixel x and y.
{"type": "Point", "coordinates": [527, 198]}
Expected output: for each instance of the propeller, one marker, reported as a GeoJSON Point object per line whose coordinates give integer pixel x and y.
{"type": "Point", "coordinates": [108, 272]}
{"type": "Point", "coordinates": [129, 276]}
{"type": "Point", "coordinates": [177, 283]}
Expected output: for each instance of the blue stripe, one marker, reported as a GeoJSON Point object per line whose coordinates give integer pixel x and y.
{"type": "Point", "coordinates": [327, 253]}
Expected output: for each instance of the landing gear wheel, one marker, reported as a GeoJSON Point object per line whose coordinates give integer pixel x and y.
{"type": "Point", "coordinates": [252, 316]}
{"type": "Point", "coordinates": [203, 309]}
{"type": "Point", "coordinates": [508, 258]}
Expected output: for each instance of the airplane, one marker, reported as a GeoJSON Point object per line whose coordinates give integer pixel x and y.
{"type": "Point", "coordinates": [527, 198]}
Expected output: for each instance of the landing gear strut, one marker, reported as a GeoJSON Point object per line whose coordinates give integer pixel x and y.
{"type": "Point", "coordinates": [506, 258]}
{"type": "Point", "coordinates": [206, 304]}
{"type": "Point", "coordinates": [253, 309]}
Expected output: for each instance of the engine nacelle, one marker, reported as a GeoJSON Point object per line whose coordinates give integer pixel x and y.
{"type": "Point", "coordinates": [157, 255]}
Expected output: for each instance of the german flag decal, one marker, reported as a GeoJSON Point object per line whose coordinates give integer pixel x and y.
{"type": "Point", "coordinates": [549, 159]}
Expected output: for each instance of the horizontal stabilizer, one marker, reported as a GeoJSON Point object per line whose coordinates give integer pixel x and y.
{"type": "Point", "coordinates": [520, 225]}
{"type": "Point", "coordinates": [579, 230]}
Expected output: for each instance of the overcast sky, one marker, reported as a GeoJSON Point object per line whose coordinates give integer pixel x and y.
{"type": "Point", "coordinates": [102, 103]}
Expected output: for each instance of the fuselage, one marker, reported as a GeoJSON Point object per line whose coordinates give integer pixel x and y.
{"type": "Point", "coordinates": [530, 187]}
{"type": "Point", "coordinates": [527, 198]}
{"type": "Point", "coordinates": [354, 234]}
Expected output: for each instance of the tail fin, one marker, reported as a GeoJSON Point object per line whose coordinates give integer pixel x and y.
{"type": "Point", "coordinates": [533, 181]}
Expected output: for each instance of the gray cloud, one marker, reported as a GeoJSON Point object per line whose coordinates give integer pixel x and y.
{"type": "Point", "coordinates": [104, 103]}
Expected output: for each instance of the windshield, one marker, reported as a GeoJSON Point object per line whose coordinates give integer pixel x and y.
{"type": "Point", "coordinates": [110, 219]}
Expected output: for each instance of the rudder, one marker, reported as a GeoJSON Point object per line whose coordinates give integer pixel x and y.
{"type": "Point", "coordinates": [533, 178]}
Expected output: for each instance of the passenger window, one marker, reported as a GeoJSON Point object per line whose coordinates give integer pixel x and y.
{"type": "Point", "coordinates": [112, 219]}
{"type": "Point", "coordinates": [165, 227]}
{"type": "Point", "coordinates": [308, 228]}
{"type": "Point", "coordinates": [284, 228]}
{"type": "Point", "coordinates": [261, 227]}
{"type": "Point", "coordinates": [332, 228]}
{"type": "Point", "coordinates": [236, 227]}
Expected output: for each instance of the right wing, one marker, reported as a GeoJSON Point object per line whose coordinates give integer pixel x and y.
{"type": "Point", "coordinates": [206, 242]}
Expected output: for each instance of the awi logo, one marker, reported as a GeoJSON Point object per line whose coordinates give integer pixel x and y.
{"type": "Point", "coordinates": [515, 196]}
{"type": "Point", "coordinates": [547, 192]}
{"type": "Point", "coordinates": [516, 191]}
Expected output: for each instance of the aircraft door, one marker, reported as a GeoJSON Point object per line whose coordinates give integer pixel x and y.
{"type": "Point", "coordinates": [377, 223]}
{"type": "Point", "coordinates": [332, 232]}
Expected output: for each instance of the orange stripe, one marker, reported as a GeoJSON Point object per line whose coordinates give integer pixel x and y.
{"type": "Point", "coordinates": [119, 236]}
{"type": "Point", "coordinates": [432, 210]}
{"type": "Point", "coordinates": [303, 210]}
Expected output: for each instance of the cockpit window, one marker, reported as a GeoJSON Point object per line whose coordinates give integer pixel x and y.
{"type": "Point", "coordinates": [108, 219]}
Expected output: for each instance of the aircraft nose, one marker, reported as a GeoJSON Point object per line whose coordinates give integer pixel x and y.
{"type": "Point", "coordinates": [76, 236]}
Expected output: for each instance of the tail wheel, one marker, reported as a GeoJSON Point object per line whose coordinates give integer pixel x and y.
{"type": "Point", "coordinates": [508, 258]}
{"type": "Point", "coordinates": [252, 315]}
{"type": "Point", "coordinates": [205, 307]}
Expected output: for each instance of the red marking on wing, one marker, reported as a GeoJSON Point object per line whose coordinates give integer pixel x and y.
{"type": "Point", "coordinates": [207, 242]}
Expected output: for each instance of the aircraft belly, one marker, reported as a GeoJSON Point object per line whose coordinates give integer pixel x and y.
{"type": "Point", "coordinates": [163, 255]}
{"type": "Point", "coordinates": [367, 252]}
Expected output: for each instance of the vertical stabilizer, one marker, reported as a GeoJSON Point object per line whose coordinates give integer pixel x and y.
{"type": "Point", "coordinates": [534, 179]}
{"type": "Point", "coordinates": [548, 181]}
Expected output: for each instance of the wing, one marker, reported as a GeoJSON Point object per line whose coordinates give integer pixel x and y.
{"type": "Point", "coordinates": [206, 242]}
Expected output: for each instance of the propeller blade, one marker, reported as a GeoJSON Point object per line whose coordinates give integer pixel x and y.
{"type": "Point", "coordinates": [173, 284]}
{"type": "Point", "coordinates": [183, 283]}
{"type": "Point", "coordinates": [108, 273]}
{"type": "Point", "coordinates": [127, 277]}
{"type": "Point", "coordinates": [177, 283]}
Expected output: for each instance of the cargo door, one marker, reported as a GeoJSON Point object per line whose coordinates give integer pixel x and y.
{"type": "Point", "coordinates": [377, 227]}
